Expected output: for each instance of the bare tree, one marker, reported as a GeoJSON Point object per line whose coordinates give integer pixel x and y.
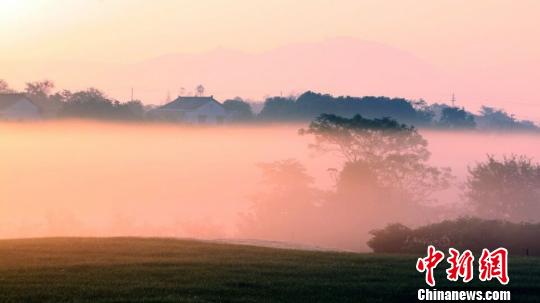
{"type": "Point", "coordinates": [4, 87]}
{"type": "Point", "coordinates": [39, 89]}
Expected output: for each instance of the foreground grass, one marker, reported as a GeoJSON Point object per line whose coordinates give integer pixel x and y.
{"type": "Point", "coordinates": [166, 270]}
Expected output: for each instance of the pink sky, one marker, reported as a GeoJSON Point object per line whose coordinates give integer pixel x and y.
{"type": "Point", "coordinates": [487, 52]}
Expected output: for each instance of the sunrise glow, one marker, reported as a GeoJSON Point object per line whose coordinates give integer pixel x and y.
{"type": "Point", "coordinates": [275, 151]}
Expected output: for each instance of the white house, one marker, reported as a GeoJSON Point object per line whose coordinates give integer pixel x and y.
{"type": "Point", "coordinates": [18, 107]}
{"type": "Point", "coordinates": [194, 110]}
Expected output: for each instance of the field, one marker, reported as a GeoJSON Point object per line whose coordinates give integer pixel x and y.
{"type": "Point", "coordinates": [167, 270]}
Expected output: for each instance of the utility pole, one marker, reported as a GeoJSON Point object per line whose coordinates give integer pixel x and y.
{"type": "Point", "coordinates": [453, 100]}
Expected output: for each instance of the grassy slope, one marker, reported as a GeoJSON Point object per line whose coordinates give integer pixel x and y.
{"type": "Point", "coordinates": [164, 270]}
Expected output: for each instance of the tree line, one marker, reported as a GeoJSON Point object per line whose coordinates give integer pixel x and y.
{"type": "Point", "coordinates": [90, 103]}
{"type": "Point", "coordinates": [310, 105]}
{"type": "Point", "coordinates": [94, 104]}
{"type": "Point", "coordinates": [475, 234]}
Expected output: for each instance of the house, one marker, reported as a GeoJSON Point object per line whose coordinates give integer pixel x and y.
{"type": "Point", "coordinates": [16, 106]}
{"type": "Point", "coordinates": [193, 110]}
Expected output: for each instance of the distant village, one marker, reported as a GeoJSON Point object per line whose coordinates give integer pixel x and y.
{"type": "Point", "coordinates": [39, 102]}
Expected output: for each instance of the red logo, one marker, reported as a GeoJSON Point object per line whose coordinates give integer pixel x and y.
{"type": "Point", "coordinates": [490, 265]}
{"type": "Point", "coordinates": [429, 263]}
{"type": "Point", "coordinates": [494, 265]}
{"type": "Point", "coordinates": [460, 265]}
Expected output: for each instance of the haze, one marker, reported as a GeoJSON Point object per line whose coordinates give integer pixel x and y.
{"type": "Point", "coordinates": [103, 179]}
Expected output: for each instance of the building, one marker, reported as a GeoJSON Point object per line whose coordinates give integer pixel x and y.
{"type": "Point", "coordinates": [193, 110]}
{"type": "Point", "coordinates": [18, 107]}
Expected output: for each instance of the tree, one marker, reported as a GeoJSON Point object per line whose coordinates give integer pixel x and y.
{"type": "Point", "coordinates": [41, 94]}
{"type": "Point", "coordinates": [454, 117]}
{"type": "Point", "coordinates": [285, 207]}
{"type": "Point", "coordinates": [310, 105]}
{"type": "Point", "coordinates": [424, 112]}
{"type": "Point", "coordinates": [94, 104]}
{"type": "Point", "coordinates": [39, 89]}
{"type": "Point", "coordinates": [61, 97]}
{"type": "Point", "coordinates": [132, 110]}
{"type": "Point", "coordinates": [395, 152]}
{"type": "Point", "coordinates": [91, 103]}
{"type": "Point", "coordinates": [200, 90]}
{"type": "Point", "coordinates": [391, 239]}
{"type": "Point", "coordinates": [4, 87]}
{"type": "Point", "coordinates": [357, 178]}
{"type": "Point", "coordinates": [278, 108]}
{"type": "Point", "coordinates": [497, 118]}
{"type": "Point", "coordinates": [240, 109]}
{"type": "Point", "coordinates": [493, 118]}
{"type": "Point", "coordinates": [505, 189]}
{"type": "Point", "coordinates": [461, 233]}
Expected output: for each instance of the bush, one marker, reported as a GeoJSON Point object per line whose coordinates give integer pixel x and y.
{"type": "Point", "coordinates": [461, 234]}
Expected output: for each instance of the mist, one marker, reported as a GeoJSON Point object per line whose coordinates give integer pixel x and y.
{"type": "Point", "coordinates": [81, 178]}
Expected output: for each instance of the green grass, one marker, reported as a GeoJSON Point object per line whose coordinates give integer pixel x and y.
{"type": "Point", "coordinates": [166, 270]}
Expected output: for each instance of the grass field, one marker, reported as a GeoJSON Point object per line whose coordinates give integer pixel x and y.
{"type": "Point", "coordinates": [166, 270]}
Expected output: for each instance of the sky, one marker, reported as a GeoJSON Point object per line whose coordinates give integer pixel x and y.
{"type": "Point", "coordinates": [491, 47]}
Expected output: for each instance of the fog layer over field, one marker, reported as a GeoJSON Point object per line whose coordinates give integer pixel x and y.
{"type": "Point", "coordinates": [100, 179]}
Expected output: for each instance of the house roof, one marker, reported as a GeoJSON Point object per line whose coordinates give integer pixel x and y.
{"type": "Point", "coordinates": [6, 100]}
{"type": "Point", "coordinates": [188, 103]}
